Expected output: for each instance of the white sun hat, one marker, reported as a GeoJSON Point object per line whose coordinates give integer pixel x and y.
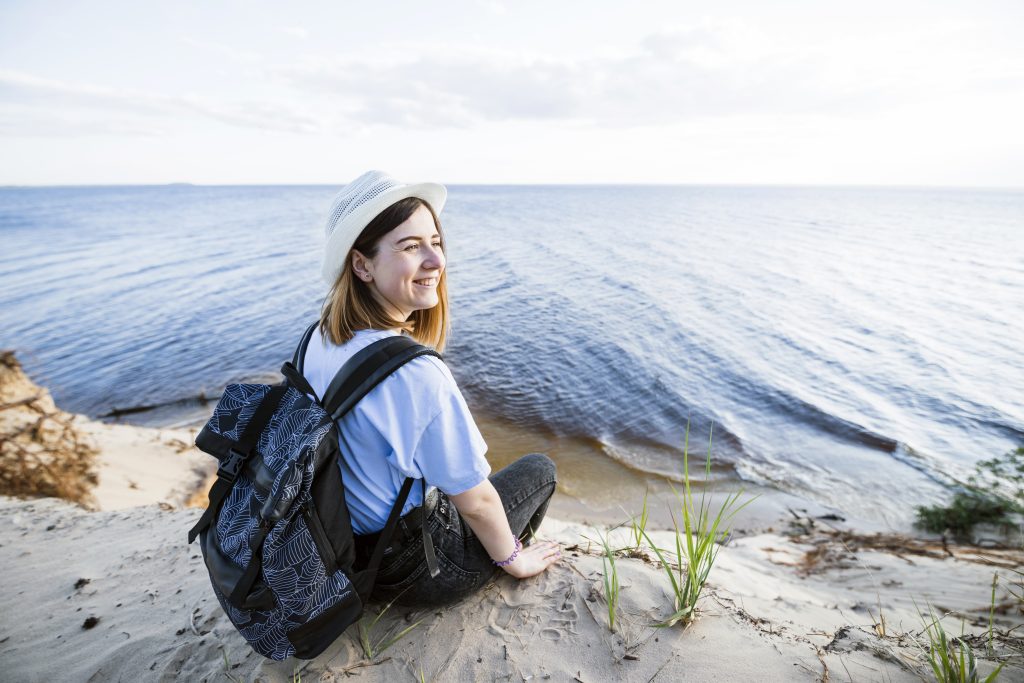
{"type": "Point", "coordinates": [360, 202]}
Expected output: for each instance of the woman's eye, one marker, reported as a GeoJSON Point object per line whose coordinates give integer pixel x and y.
{"type": "Point", "coordinates": [415, 246]}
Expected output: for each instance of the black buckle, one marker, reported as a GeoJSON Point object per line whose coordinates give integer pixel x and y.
{"type": "Point", "coordinates": [231, 466]}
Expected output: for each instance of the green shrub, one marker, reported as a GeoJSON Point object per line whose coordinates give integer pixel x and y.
{"type": "Point", "coordinates": [967, 509]}
{"type": "Point", "coordinates": [993, 493]}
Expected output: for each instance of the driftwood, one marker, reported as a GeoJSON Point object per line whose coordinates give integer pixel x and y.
{"type": "Point", "coordinates": [835, 548]}
{"type": "Point", "coordinates": [115, 412]}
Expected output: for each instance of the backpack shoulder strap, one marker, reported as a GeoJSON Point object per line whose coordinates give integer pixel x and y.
{"type": "Point", "coordinates": [368, 368]}
{"type": "Point", "coordinates": [299, 357]}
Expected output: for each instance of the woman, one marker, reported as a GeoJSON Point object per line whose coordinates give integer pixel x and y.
{"type": "Point", "coordinates": [385, 263]}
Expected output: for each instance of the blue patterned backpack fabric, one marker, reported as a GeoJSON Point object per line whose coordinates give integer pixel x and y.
{"type": "Point", "coordinates": [276, 536]}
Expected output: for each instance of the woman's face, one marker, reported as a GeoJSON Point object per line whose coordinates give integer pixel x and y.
{"type": "Point", "coordinates": [404, 274]}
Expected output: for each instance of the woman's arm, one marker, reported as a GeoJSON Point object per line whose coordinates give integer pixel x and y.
{"type": "Point", "coordinates": [481, 507]}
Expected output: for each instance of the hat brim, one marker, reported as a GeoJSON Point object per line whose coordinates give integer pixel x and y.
{"type": "Point", "coordinates": [348, 229]}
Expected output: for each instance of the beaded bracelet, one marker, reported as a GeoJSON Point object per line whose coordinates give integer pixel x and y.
{"type": "Point", "coordinates": [512, 557]}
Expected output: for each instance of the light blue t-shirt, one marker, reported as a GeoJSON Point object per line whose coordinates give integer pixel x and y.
{"type": "Point", "coordinates": [413, 424]}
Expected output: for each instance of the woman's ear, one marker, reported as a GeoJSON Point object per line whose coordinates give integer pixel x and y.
{"type": "Point", "coordinates": [362, 266]}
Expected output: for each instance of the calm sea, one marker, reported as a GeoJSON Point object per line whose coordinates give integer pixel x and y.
{"type": "Point", "coordinates": [861, 346]}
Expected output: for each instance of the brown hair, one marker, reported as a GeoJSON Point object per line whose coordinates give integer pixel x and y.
{"type": "Point", "coordinates": [350, 306]}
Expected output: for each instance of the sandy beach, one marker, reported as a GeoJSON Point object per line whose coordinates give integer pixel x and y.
{"type": "Point", "coordinates": [106, 589]}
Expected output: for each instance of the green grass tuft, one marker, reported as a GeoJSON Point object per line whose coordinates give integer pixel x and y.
{"type": "Point", "coordinates": [951, 659]}
{"type": "Point", "coordinates": [697, 542]}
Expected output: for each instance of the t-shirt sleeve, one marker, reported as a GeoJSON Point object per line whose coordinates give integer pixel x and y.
{"type": "Point", "coordinates": [432, 434]}
{"type": "Point", "coordinates": [450, 452]}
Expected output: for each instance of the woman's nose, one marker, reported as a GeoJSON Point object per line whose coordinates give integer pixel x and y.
{"type": "Point", "coordinates": [435, 257]}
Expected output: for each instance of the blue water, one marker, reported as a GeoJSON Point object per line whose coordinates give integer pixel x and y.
{"type": "Point", "coordinates": [861, 346]}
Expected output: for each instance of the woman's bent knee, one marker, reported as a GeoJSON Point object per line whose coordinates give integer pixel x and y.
{"type": "Point", "coordinates": [542, 465]}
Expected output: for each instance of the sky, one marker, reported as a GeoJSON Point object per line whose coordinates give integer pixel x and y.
{"type": "Point", "coordinates": [250, 92]}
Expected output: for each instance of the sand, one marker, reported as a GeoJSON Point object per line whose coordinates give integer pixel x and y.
{"type": "Point", "coordinates": [114, 593]}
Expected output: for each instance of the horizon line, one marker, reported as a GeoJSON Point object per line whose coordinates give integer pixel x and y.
{"type": "Point", "coordinates": [905, 186]}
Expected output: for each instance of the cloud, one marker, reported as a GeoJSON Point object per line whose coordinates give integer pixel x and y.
{"type": "Point", "coordinates": [679, 44]}
{"type": "Point", "coordinates": [228, 52]}
{"type": "Point", "coordinates": [31, 89]}
{"type": "Point", "coordinates": [495, 6]}
{"type": "Point", "coordinates": [295, 32]}
{"type": "Point", "coordinates": [17, 121]}
{"type": "Point", "coordinates": [703, 71]}
{"type": "Point", "coordinates": [673, 75]}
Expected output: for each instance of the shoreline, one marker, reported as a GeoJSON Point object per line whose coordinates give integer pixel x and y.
{"type": "Point", "coordinates": [585, 469]}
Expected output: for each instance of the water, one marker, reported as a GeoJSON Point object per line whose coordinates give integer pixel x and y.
{"type": "Point", "coordinates": [860, 346]}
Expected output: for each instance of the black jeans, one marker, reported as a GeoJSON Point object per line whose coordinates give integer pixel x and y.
{"type": "Point", "coordinates": [525, 488]}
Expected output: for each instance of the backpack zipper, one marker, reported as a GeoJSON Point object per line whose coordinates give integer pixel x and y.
{"type": "Point", "coordinates": [320, 540]}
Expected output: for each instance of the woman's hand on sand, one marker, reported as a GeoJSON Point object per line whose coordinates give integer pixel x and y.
{"type": "Point", "coordinates": [534, 558]}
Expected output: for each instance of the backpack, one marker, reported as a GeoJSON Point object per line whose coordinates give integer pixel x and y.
{"type": "Point", "coordinates": [276, 537]}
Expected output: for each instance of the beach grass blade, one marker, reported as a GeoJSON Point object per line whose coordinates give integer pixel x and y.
{"type": "Point", "coordinates": [641, 526]}
{"type": "Point", "coordinates": [227, 666]}
{"type": "Point", "coordinates": [611, 581]}
{"type": "Point", "coordinates": [992, 611]}
{"type": "Point", "coordinates": [373, 647]}
{"type": "Point", "coordinates": [698, 541]}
